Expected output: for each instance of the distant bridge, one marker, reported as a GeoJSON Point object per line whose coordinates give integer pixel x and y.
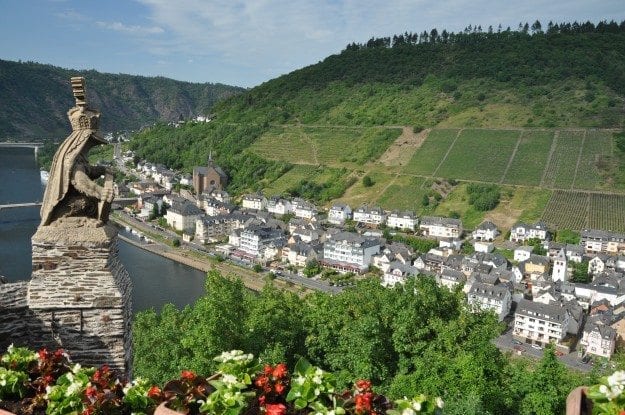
{"type": "Point", "coordinates": [18, 144]}
{"type": "Point", "coordinates": [19, 205]}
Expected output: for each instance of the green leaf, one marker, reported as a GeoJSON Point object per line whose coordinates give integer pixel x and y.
{"type": "Point", "coordinates": [302, 366]}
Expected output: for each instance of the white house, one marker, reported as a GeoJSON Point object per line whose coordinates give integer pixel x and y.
{"type": "Point", "coordinates": [540, 323]}
{"type": "Point", "coordinates": [349, 252]}
{"type": "Point", "coordinates": [398, 273]}
{"type": "Point", "coordinates": [182, 216]}
{"type": "Point", "coordinates": [451, 278]}
{"type": "Point", "coordinates": [521, 232]}
{"type": "Point", "coordinates": [440, 227]}
{"type": "Point", "coordinates": [371, 216]}
{"type": "Point", "coordinates": [597, 265]}
{"type": "Point", "coordinates": [279, 206]}
{"type": "Point", "coordinates": [255, 239]}
{"type": "Point", "coordinates": [254, 201]}
{"type": "Point", "coordinates": [485, 231]}
{"type": "Point", "coordinates": [402, 220]}
{"type": "Point", "coordinates": [484, 296]}
{"type": "Point", "coordinates": [598, 339]}
{"type": "Point", "coordinates": [298, 254]}
{"type": "Point", "coordinates": [339, 213]}
{"type": "Point", "coordinates": [305, 210]}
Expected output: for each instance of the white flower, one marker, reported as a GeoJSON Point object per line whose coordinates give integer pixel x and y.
{"type": "Point", "coordinates": [317, 380]}
{"type": "Point", "coordinates": [439, 402]}
{"type": "Point", "coordinates": [319, 372]}
{"type": "Point", "coordinates": [300, 380]}
{"type": "Point", "coordinates": [416, 406]}
{"type": "Point", "coordinates": [73, 388]}
{"type": "Point", "coordinates": [408, 411]}
{"type": "Point", "coordinates": [70, 377]}
{"type": "Point", "coordinates": [10, 348]}
{"type": "Point", "coordinates": [229, 379]}
{"type": "Point", "coordinates": [3, 382]}
{"type": "Point", "coordinates": [76, 368]}
{"type": "Point", "coordinates": [617, 378]}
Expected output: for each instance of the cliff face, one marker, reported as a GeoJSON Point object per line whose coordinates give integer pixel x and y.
{"type": "Point", "coordinates": [34, 99]}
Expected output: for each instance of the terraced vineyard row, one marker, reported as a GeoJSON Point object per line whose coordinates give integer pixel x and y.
{"type": "Point", "coordinates": [579, 210]}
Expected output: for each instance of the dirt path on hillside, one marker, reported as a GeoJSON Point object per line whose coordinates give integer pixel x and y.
{"type": "Point", "coordinates": [504, 216]}
{"type": "Point", "coordinates": [400, 152]}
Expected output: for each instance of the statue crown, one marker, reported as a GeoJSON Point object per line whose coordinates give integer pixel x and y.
{"type": "Point", "coordinates": [82, 117]}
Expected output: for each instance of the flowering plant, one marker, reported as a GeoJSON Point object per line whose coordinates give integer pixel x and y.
{"type": "Point", "coordinates": [48, 381]}
{"type": "Point", "coordinates": [607, 396]}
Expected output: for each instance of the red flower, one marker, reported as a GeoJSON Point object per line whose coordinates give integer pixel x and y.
{"type": "Point", "coordinates": [105, 369]}
{"type": "Point", "coordinates": [275, 409]}
{"type": "Point", "coordinates": [91, 392]}
{"type": "Point", "coordinates": [279, 388]}
{"type": "Point", "coordinates": [261, 381]}
{"type": "Point", "coordinates": [43, 354]}
{"type": "Point", "coordinates": [59, 353]}
{"type": "Point", "coordinates": [187, 374]}
{"type": "Point", "coordinates": [267, 370]}
{"type": "Point", "coordinates": [48, 379]}
{"type": "Point", "coordinates": [154, 392]}
{"type": "Point", "coordinates": [363, 402]}
{"type": "Point", "coordinates": [363, 385]}
{"type": "Point", "coordinates": [280, 371]}
{"type": "Point", "coordinates": [88, 411]}
{"type": "Point", "coordinates": [261, 400]}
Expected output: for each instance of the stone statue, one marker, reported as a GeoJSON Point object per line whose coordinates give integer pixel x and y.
{"type": "Point", "coordinates": [72, 196]}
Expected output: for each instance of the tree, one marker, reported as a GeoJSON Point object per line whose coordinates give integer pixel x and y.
{"type": "Point", "coordinates": [367, 181]}
{"type": "Point", "coordinates": [175, 243]}
{"type": "Point", "coordinates": [154, 212]}
{"type": "Point", "coordinates": [580, 272]}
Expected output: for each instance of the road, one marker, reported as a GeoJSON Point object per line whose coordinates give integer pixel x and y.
{"type": "Point", "coordinates": [505, 342]}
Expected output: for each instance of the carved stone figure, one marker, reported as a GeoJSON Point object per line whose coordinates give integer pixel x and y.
{"type": "Point", "coordinates": [72, 196]}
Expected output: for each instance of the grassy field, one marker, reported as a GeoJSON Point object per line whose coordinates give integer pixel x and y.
{"type": "Point", "coordinates": [529, 161]}
{"type": "Point", "coordinates": [330, 146]}
{"type": "Point", "coordinates": [456, 203]}
{"type": "Point", "coordinates": [405, 193]}
{"type": "Point", "coordinates": [298, 173]}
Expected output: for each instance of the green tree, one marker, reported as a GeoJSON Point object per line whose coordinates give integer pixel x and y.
{"type": "Point", "coordinates": [367, 181]}
{"type": "Point", "coordinates": [580, 272]}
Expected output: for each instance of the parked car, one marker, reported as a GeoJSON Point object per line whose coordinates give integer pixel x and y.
{"type": "Point", "coordinates": [537, 346]}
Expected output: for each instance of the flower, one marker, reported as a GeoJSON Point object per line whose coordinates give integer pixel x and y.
{"type": "Point", "coordinates": [91, 392]}
{"type": "Point", "coordinates": [154, 392]}
{"type": "Point", "coordinates": [439, 402]}
{"type": "Point", "coordinates": [275, 409]}
{"type": "Point", "coordinates": [187, 375]}
{"type": "Point", "coordinates": [280, 371]}
{"type": "Point", "coordinates": [363, 402]}
{"type": "Point", "coordinates": [363, 385]}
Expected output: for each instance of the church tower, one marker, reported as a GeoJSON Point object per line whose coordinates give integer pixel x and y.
{"type": "Point", "coordinates": [559, 272]}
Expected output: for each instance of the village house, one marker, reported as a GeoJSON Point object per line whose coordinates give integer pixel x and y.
{"type": "Point", "coordinates": [254, 201]}
{"type": "Point", "coordinates": [521, 232]}
{"type": "Point", "coordinates": [279, 206]}
{"type": "Point", "coordinates": [451, 278]}
{"type": "Point", "coordinates": [182, 216]}
{"type": "Point", "coordinates": [597, 264]}
{"type": "Point", "coordinates": [402, 220]}
{"type": "Point", "coordinates": [494, 297]}
{"type": "Point", "coordinates": [218, 194]}
{"type": "Point", "coordinates": [574, 253]}
{"type": "Point", "coordinates": [369, 215]}
{"type": "Point", "coordinates": [540, 323]}
{"type": "Point", "coordinates": [397, 273]}
{"type": "Point", "coordinates": [615, 263]}
{"type": "Point", "coordinates": [522, 253]}
{"type": "Point", "coordinates": [598, 339]}
{"type": "Point", "coordinates": [305, 210]}
{"type": "Point", "coordinates": [216, 227]}
{"type": "Point", "coordinates": [349, 252]}
{"type": "Point", "coordinates": [214, 207]}
{"type": "Point", "coordinates": [559, 271]}
{"type": "Point", "coordinates": [305, 234]}
{"type": "Point", "coordinates": [339, 213]}
{"type": "Point", "coordinates": [255, 240]}
{"type": "Point", "coordinates": [146, 203]}
{"type": "Point", "coordinates": [439, 227]}
{"type": "Point", "coordinates": [602, 242]}
{"type": "Point", "coordinates": [486, 231]}
{"type": "Point", "coordinates": [186, 180]}
{"type": "Point", "coordinates": [485, 247]}
{"type": "Point", "coordinates": [299, 254]}
{"type": "Point", "coordinates": [536, 265]}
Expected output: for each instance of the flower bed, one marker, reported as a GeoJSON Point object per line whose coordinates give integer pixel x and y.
{"type": "Point", "coordinates": [48, 383]}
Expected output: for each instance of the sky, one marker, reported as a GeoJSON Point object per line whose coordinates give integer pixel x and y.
{"type": "Point", "coordinates": [244, 43]}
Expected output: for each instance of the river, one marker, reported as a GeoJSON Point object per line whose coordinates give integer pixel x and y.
{"type": "Point", "coordinates": [156, 280]}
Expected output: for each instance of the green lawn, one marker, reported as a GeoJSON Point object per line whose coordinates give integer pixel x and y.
{"type": "Point", "coordinates": [457, 202]}
{"type": "Point", "coordinates": [427, 158]}
{"type": "Point", "coordinates": [480, 155]}
{"type": "Point", "coordinates": [530, 159]}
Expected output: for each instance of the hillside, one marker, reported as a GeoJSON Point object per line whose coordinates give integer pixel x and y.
{"type": "Point", "coordinates": [35, 99]}
{"type": "Point", "coordinates": [533, 114]}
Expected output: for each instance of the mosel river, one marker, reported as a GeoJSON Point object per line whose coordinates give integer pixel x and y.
{"type": "Point", "coordinates": [156, 280]}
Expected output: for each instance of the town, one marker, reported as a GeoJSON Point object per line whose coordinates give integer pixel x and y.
{"type": "Point", "coordinates": [523, 276]}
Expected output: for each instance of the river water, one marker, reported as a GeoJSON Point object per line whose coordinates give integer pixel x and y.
{"type": "Point", "coordinates": [156, 280]}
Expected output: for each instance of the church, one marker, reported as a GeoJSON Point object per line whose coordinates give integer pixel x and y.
{"type": "Point", "coordinates": [209, 177]}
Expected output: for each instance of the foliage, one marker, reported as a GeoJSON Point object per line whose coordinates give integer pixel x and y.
{"type": "Point", "coordinates": [567, 236]}
{"type": "Point", "coordinates": [608, 397]}
{"type": "Point", "coordinates": [175, 243]}
{"type": "Point", "coordinates": [312, 268]}
{"type": "Point", "coordinates": [418, 244]}
{"type": "Point", "coordinates": [537, 244]}
{"type": "Point", "coordinates": [367, 181]}
{"type": "Point", "coordinates": [580, 272]}
{"type": "Point", "coordinates": [483, 196]}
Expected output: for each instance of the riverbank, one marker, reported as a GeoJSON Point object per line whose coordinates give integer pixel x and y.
{"type": "Point", "coordinates": [202, 262]}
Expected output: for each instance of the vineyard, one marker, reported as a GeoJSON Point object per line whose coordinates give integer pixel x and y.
{"type": "Point", "coordinates": [578, 210]}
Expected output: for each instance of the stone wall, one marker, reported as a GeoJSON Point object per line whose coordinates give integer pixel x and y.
{"type": "Point", "coordinates": [79, 298]}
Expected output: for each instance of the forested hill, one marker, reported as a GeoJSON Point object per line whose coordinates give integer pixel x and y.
{"type": "Point", "coordinates": [35, 98]}
{"type": "Point", "coordinates": [564, 75]}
